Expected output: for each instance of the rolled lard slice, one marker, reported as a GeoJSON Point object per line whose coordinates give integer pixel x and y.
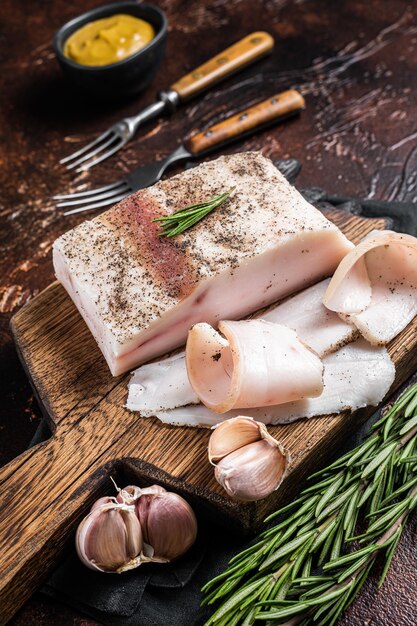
{"type": "Point", "coordinates": [375, 286]}
{"type": "Point", "coordinates": [355, 376]}
{"type": "Point", "coordinates": [254, 363]}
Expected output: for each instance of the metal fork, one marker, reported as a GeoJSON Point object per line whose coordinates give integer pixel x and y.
{"type": "Point", "coordinates": [114, 138]}
{"type": "Point", "coordinates": [110, 194]}
{"type": "Point", "coordinates": [258, 116]}
{"type": "Point", "coordinates": [236, 57]}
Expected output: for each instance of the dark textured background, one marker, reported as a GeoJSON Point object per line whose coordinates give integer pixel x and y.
{"type": "Point", "coordinates": [355, 62]}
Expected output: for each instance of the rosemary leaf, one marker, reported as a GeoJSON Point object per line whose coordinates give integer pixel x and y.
{"type": "Point", "coordinates": [361, 450]}
{"type": "Point", "coordinates": [351, 510]}
{"type": "Point", "coordinates": [284, 612]}
{"type": "Point", "coordinates": [287, 549]}
{"type": "Point", "coordinates": [378, 459]}
{"type": "Point", "coordinates": [337, 502]}
{"type": "Point", "coordinates": [409, 425]}
{"type": "Point", "coordinates": [330, 492]}
{"type": "Point", "coordinates": [389, 555]}
{"type": "Point", "coordinates": [329, 596]}
{"type": "Point", "coordinates": [385, 520]}
{"type": "Point", "coordinates": [411, 408]}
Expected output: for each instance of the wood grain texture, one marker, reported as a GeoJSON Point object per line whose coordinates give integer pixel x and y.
{"type": "Point", "coordinates": [278, 106]}
{"type": "Point", "coordinates": [94, 434]}
{"type": "Point", "coordinates": [242, 53]}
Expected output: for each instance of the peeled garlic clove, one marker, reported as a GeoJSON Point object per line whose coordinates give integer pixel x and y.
{"type": "Point", "coordinates": [231, 435]}
{"type": "Point", "coordinates": [110, 538]}
{"type": "Point", "coordinates": [253, 471]}
{"type": "Point", "coordinates": [168, 523]}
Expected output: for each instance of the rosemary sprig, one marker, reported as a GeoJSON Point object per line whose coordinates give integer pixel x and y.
{"type": "Point", "coordinates": [188, 216]}
{"type": "Point", "coordinates": [310, 565]}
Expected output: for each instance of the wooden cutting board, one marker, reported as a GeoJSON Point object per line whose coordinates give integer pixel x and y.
{"type": "Point", "coordinates": [46, 490]}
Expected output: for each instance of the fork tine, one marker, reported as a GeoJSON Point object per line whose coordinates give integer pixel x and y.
{"type": "Point", "coordinates": [102, 157]}
{"type": "Point", "coordinates": [97, 205]}
{"type": "Point", "coordinates": [97, 150]}
{"type": "Point", "coordinates": [89, 192]}
{"type": "Point", "coordinates": [74, 155]}
{"type": "Point", "coordinates": [99, 196]}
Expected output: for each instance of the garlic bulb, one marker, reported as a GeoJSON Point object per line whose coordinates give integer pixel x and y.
{"type": "Point", "coordinates": [138, 526]}
{"type": "Point", "coordinates": [110, 538]}
{"type": "Point", "coordinates": [249, 463]}
{"type": "Point", "coordinates": [168, 523]}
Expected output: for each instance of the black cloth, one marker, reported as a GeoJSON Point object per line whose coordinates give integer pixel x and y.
{"type": "Point", "coordinates": [157, 595]}
{"type": "Point", "coordinates": [151, 595]}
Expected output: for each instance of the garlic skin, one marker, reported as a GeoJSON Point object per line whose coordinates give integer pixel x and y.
{"type": "Point", "coordinates": [128, 495]}
{"type": "Point", "coordinates": [252, 472]}
{"type": "Point", "coordinates": [168, 523]}
{"type": "Point", "coordinates": [131, 494]}
{"type": "Point", "coordinates": [249, 463]}
{"type": "Point", "coordinates": [103, 500]}
{"type": "Point", "coordinates": [110, 538]}
{"type": "Point", "coordinates": [230, 435]}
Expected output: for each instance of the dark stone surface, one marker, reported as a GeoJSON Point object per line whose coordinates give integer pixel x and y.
{"type": "Point", "coordinates": [355, 62]}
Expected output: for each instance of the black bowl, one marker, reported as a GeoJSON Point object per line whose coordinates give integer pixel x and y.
{"type": "Point", "coordinates": [128, 76]}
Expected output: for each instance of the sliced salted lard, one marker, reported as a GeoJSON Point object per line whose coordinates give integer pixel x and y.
{"type": "Point", "coordinates": [321, 329]}
{"type": "Point", "coordinates": [355, 376]}
{"type": "Point", "coordinates": [375, 286]}
{"type": "Point", "coordinates": [161, 385]}
{"type": "Point", "coordinates": [251, 363]}
{"type": "Point", "coordinates": [140, 293]}
{"type": "Point", "coordinates": [165, 385]}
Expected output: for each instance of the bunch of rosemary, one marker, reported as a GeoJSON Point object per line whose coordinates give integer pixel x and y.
{"type": "Point", "coordinates": [308, 567]}
{"type": "Point", "coordinates": [185, 218]}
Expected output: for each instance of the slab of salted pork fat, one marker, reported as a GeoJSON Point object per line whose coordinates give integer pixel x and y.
{"type": "Point", "coordinates": [140, 293]}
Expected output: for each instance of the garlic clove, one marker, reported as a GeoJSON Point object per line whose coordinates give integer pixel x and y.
{"type": "Point", "coordinates": [253, 471]}
{"type": "Point", "coordinates": [231, 435]}
{"type": "Point", "coordinates": [168, 522]}
{"type": "Point", "coordinates": [110, 538]}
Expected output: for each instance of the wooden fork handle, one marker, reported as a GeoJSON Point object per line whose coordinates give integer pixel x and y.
{"type": "Point", "coordinates": [263, 113]}
{"type": "Point", "coordinates": [243, 53]}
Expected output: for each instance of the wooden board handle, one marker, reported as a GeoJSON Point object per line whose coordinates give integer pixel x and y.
{"type": "Point", "coordinates": [274, 108]}
{"type": "Point", "coordinates": [246, 51]}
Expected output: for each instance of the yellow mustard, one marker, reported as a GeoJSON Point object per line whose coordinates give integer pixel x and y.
{"type": "Point", "coordinates": [108, 40]}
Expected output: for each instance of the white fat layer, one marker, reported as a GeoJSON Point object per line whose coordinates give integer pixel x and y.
{"type": "Point", "coordinates": [161, 385]}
